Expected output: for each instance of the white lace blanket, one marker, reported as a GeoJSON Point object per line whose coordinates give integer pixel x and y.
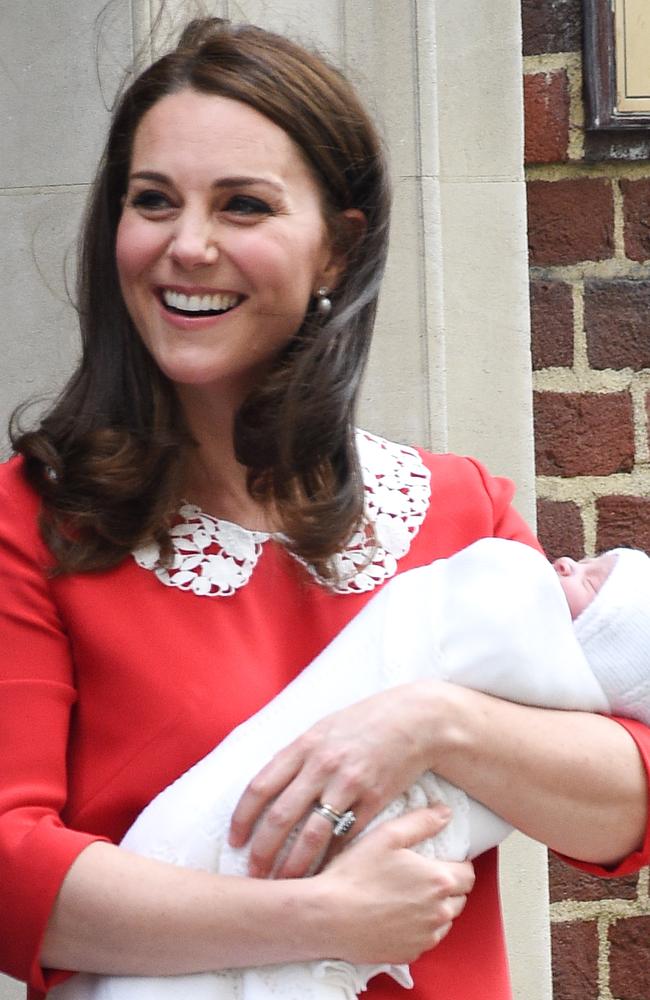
{"type": "Point", "coordinates": [492, 617]}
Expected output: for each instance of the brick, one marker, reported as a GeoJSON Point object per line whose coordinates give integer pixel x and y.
{"type": "Point", "coordinates": [570, 220]}
{"type": "Point", "coordinates": [551, 26]}
{"type": "Point", "coordinates": [617, 323]}
{"type": "Point", "coordinates": [569, 883]}
{"type": "Point", "coordinates": [583, 434]}
{"type": "Point", "coordinates": [636, 215]}
{"type": "Point", "coordinates": [623, 521]}
{"type": "Point", "coordinates": [629, 963]}
{"type": "Point", "coordinates": [546, 104]}
{"type": "Point", "coordinates": [575, 960]}
{"type": "Point", "coordinates": [559, 529]}
{"type": "Point", "coordinates": [551, 321]}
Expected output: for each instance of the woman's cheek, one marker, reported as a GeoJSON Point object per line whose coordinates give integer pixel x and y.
{"type": "Point", "coordinates": [136, 246]}
{"type": "Point", "coordinates": [275, 262]}
{"type": "Point", "coordinates": [257, 257]}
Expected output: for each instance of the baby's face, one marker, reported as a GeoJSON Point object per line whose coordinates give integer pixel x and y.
{"type": "Point", "coordinates": [582, 580]}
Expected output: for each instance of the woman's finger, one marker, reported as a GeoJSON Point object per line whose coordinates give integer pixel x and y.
{"type": "Point", "coordinates": [299, 774]}
{"type": "Point", "coordinates": [413, 827]}
{"type": "Point", "coordinates": [312, 843]}
{"type": "Point", "coordinates": [277, 825]}
{"type": "Point", "coordinates": [313, 839]}
{"type": "Point", "coordinates": [292, 810]}
{"type": "Point", "coordinates": [316, 832]}
{"type": "Point", "coordinates": [295, 811]}
{"type": "Point", "coordinates": [410, 900]}
{"type": "Point", "coordinates": [441, 933]}
{"type": "Point", "coordinates": [260, 792]}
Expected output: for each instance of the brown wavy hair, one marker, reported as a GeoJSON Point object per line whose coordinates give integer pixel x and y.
{"type": "Point", "coordinates": [107, 458]}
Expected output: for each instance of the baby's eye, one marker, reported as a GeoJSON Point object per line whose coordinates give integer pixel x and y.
{"type": "Point", "coordinates": [245, 204]}
{"type": "Point", "coordinates": [150, 201]}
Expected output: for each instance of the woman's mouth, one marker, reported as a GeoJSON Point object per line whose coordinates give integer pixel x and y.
{"type": "Point", "coordinates": [197, 305]}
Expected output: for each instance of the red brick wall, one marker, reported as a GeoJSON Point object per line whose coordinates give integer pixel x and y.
{"type": "Point", "coordinates": [589, 241]}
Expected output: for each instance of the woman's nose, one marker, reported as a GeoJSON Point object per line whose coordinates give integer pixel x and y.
{"type": "Point", "coordinates": [564, 566]}
{"type": "Point", "coordinates": [194, 243]}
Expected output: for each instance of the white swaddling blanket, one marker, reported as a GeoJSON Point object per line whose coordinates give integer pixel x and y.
{"type": "Point", "coordinates": [492, 617]}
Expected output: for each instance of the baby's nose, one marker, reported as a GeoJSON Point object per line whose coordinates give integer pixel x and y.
{"type": "Point", "coordinates": [564, 566]}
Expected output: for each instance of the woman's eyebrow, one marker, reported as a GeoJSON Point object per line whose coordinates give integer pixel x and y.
{"type": "Point", "coordinates": [150, 175]}
{"type": "Point", "coordinates": [221, 182]}
{"type": "Point", "coordinates": [233, 182]}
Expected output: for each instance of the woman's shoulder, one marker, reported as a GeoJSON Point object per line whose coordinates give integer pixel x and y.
{"type": "Point", "coordinates": [19, 503]}
{"type": "Point", "coordinates": [14, 485]}
{"type": "Point", "coordinates": [464, 476]}
{"type": "Point", "coordinates": [457, 500]}
{"type": "Point", "coordinates": [411, 465]}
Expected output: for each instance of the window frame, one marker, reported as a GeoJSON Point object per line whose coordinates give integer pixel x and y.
{"type": "Point", "coordinates": [599, 58]}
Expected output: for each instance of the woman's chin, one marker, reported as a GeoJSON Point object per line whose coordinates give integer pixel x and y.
{"type": "Point", "coordinates": [196, 381]}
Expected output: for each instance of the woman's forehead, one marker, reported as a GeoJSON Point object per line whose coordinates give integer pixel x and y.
{"type": "Point", "coordinates": [218, 132]}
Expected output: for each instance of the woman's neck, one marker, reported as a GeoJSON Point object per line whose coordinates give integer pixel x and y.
{"type": "Point", "coordinates": [214, 480]}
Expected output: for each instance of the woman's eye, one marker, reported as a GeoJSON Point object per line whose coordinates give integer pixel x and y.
{"type": "Point", "coordinates": [244, 204]}
{"type": "Point", "coordinates": [150, 200]}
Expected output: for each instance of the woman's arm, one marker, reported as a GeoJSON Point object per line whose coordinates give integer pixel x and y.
{"type": "Point", "coordinates": [119, 913]}
{"type": "Point", "coordinates": [572, 780]}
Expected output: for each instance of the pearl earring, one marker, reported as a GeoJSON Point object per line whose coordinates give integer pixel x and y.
{"type": "Point", "coordinates": [324, 303]}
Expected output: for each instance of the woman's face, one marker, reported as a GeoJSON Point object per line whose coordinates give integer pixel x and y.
{"type": "Point", "coordinates": [222, 240]}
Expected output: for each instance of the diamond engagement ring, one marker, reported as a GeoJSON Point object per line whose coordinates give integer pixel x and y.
{"type": "Point", "coordinates": [341, 822]}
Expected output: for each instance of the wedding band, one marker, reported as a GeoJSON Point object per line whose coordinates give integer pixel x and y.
{"type": "Point", "coordinates": [341, 822]}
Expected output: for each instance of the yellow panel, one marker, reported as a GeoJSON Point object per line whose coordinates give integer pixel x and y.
{"type": "Point", "coordinates": [633, 55]}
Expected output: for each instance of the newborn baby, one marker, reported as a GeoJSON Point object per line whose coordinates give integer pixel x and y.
{"type": "Point", "coordinates": [496, 617]}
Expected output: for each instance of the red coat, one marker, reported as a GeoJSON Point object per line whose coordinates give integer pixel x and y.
{"type": "Point", "coordinates": [112, 685]}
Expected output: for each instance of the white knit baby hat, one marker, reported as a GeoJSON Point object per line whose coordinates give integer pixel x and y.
{"type": "Point", "coordinates": [614, 633]}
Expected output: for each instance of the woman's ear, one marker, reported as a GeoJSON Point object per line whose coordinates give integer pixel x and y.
{"type": "Point", "coordinates": [346, 231]}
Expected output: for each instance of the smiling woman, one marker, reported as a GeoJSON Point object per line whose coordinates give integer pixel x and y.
{"type": "Point", "coordinates": [197, 517]}
{"type": "Point", "coordinates": [286, 202]}
{"type": "Point", "coordinates": [220, 204]}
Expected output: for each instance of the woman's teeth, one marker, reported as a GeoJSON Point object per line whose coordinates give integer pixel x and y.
{"type": "Point", "coordinates": [217, 303]}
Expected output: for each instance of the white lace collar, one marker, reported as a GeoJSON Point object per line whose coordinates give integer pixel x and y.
{"type": "Point", "coordinates": [214, 558]}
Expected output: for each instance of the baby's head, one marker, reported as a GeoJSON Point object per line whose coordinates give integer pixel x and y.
{"type": "Point", "coordinates": [581, 581]}
{"type": "Point", "coordinates": [609, 600]}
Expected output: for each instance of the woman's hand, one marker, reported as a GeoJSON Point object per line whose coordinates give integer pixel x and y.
{"type": "Point", "coordinates": [359, 758]}
{"type": "Point", "coordinates": [393, 904]}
